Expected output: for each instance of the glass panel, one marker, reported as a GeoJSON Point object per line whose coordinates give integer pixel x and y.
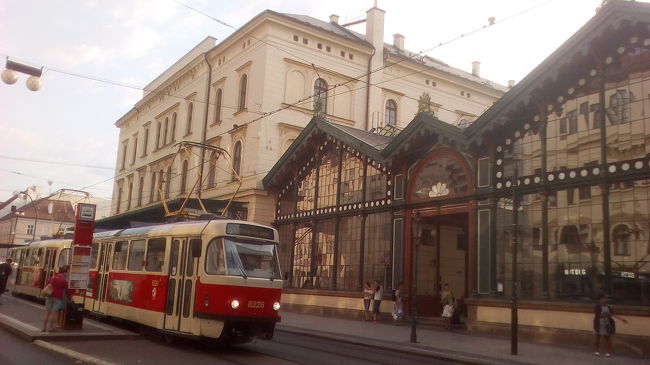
{"type": "Point", "coordinates": [214, 263]}
{"type": "Point", "coordinates": [284, 248]}
{"type": "Point", "coordinates": [287, 200]}
{"type": "Point", "coordinates": [136, 255]}
{"type": "Point", "coordinates": [328, 178]}
{"type": "Point", "coordinates": [629, 212]}
{"type": "Point", "coordinates": [351, 179]}
{"type": "Point", "coordinates": [171, 289]}
{"type": "Point", "coordinates": [120, 255]}
{"type": "Point", "coordinates": [576, 250]}
{"type": "Point", "coordinates": [349, 239]}
{"type": "Point", "coordinates": [439, 178]}
{"type": "Point", "coordinates": [187, 297]}
{"type": "Point", "coordinates": [301, 277]}
{"type": "Point", "coordinates": [94, 251]}
{"type": "Point", "coordinates": [155, 254]}
{"type": "Point", "coordinates": [375, 184]}
{"type": "Point", "coordinates": [484, 251]}
{"type": "Point", "coordinates": [190, 259]}
{"type": "Point", "coordinates": [64, 257]}
{"type": "Point", "coordinates": [173, 261]}
{"type": "Point", "coordinates": [306, 190]}
{"type": "Point", "coordinates": [325, 254]}
{"type": "Point", "coordinates": [251, 258]}
{"type": "Point", "coordinates": [378, 253]}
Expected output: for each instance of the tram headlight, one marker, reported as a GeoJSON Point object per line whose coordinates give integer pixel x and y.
{"type": "Point", "coordinates": [276, 306]}
{"type": "Point", "coordinates": [234, 304]}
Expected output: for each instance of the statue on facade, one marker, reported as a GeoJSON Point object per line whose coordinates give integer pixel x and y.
{"type": "Point", "coordinates": [424, 104]}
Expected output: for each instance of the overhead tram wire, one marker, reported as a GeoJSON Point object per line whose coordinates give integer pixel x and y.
{"type": "Point", "coordinates": [358, 78]}
{"type": "Point", "coordinates": [55, 162]}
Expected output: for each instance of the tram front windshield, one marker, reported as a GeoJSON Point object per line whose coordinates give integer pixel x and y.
{"type": "Point", "coordinates": [243, 258]}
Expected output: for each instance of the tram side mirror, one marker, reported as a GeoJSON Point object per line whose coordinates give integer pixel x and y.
{"type": "Point", "coordinates": [195, 248]}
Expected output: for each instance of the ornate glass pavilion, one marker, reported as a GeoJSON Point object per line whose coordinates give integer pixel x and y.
{"type": "Point", "coordinates": [570, 143]}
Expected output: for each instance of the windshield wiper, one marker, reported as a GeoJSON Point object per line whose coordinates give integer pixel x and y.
{"type": "Point", "coordinates": [242, 272]}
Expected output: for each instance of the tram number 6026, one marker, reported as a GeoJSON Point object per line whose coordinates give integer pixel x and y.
{"type": "Point", "coordinates": [255, 304]}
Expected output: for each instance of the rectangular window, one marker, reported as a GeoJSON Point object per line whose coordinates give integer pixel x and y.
{"type": "Point", "coordinates": [119, 255]}
{"type": "Point", "coordinates": [135, 149]}
{"type": "Point", "coordinates": [136, 255]}
{"type": "Point", "coordinates": [319, 46]}
{"type": "Point", "coordinates": [295, 38]}
{"type": "Point", "coordinates": [342, 53]}
{"type": "Point", "coordinates": [328, 48]}
{"type": "Point", "coordinates": [30, 229]}
{"type": "Point", "coordinates": [350, 56]}
{"type": "Point", "coordinates": [483, 172]}
{"type": "Point", "coordinates": [305, 41]}
{"type": "Point", "coordinates": [348, 253]}
{"type": "Point", "coordinates": [155, 254]}
{"type": "Point", "coordinates": [484, 252]}
{"type": "Point", "coordinates": [94, 252]}
{"type": "Point", "coordinates": [214, 262]}
{"type": "Point", "coordinates": [145, 143]}
{"type": "Point", "coordinates": [399, 187]}
{"type": "Point", "coordinates": [398, 251]}
{"type": "Point", "coordinates": [125, 146]}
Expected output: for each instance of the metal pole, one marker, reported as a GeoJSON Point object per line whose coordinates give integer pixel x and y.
{"type": "Point", "coordinates": [514, 321]}
{"type": "Point", "coordinates": [414, 285]}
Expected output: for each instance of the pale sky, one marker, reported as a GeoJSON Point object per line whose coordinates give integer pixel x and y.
{"type": "Point", "coordinates": [71, 119]}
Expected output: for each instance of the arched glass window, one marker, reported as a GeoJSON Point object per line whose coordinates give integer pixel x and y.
{"type": "Point", "coordinates": [440, 177]}
{"type": "Point", "coordinates": [236, 160]}
{"type": "Point", "coordinates": [164, 141]}
{"type": "Point", "coordinates": [212, 170]}
{"type": "Point", "coordinates": [217, 106]}
{"type": "Point", "coordinates": [320, 94]}
{"type": "Point", "coordinates": [158, 135]}
{"type": "Point", "coordinates": [168, 182]}
{"type": "Point", "coordinates": [390, 113]}
{"type": "Point", "coordinates": [173, 136]}
{"type": "Point", "coordinates": [621, 239]}
{"type": "Point", "coordinates": [152, 192]}
{"type": "Point", "coordinates": [190, 111]}
{"type": "Point", "coordinates": [243, 84]}
{"type": "Point", "coordinates": [160, 184]}
{"type": "Point", "coordinates": [184, 177]}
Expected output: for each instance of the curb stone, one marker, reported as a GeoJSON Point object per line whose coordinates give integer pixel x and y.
{"type": "Point", "coordinates": [71, 353]}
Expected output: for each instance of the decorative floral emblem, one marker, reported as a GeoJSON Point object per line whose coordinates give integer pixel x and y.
{"type": "Point", "coordinates": [439, 189]}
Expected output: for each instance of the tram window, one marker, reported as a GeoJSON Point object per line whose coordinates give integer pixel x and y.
{"type": "Point", "coordinates": [39, 258]}
{"type": "Point", "coordinates": [195, 248]}
{"type": "Point", "coordinates": [64, 257]}
{"type": "Point", "coordinates": [214, 263]}
{"type": "Point", "coordinates": [171, 289]}
{"type": "Point", "coordinates": [187, 297]}
{"type": "Point", "coordinates": [32, 257]}
{"type": "Point", "coordinates": [94, 251]}
{"type": "Point", "coordinates": [119, 255]}
{"type": "Point", "coordinates": [136, 255]}
{"type": "Point", "coordinates": [155, 254]}
{"type": "Point", "coordinates": [173, 263]}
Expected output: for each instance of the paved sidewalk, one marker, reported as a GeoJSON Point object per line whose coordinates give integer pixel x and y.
{"type": "Point", "coordinates": [460, 346]}
{"type": "Point", "coordinates": [25, 319]}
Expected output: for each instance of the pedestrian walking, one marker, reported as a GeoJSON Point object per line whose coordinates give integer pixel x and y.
{"type": "Point", "coordinates": [448, 305]}
{"type": "Point", "coordinates": [5, 271]}
{"type": "Point", "coordinates": [376, 302]}
{"type": "Point", "coordinates": [56, 300]}
{"type": "Point", "coordinates": [367, 297]}
{"type": "Point", "coordinates": [604, 324]}
{"type": "Point", "coordinates": [398, 311]}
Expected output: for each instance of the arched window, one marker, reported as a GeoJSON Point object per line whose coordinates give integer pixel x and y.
{"type": "Point", "coordinates": [152, 192]}
{"type": "Point", "coordinates": [140, 190]}
{"type": "Point", "coordinates": [184, 177]}
{"type": "Point", "coordinates": [243, 84]}
{"type": "Point", "coordinates": [320, 94]}
{"type": "Point", "coordinates": [217, 106]}
{"type": "Point", "coordinates": [164, 141]}
{"type": "Point", "coordinates": [212, 170]}
{"type": "Point", "coordinates": [190, 111]}
{"type": "Point", "coordinates": [390, 113]}
{"type": "Point", "coordinates": [621, 239]}
{"type": "Point", "coordinates": [236, 160]}
{"type": "Point", "coordinates": [173, 136]}
{"type": "Point", "coordinates": [119, 200]}
{"type": "Point", "coordinates": [168, 182]}
{"type": "Point", "coordinates": [158, 135]}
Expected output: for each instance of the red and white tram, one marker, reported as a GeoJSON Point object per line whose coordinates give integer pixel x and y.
{"type": "Point", "coordinates": [212, 279]}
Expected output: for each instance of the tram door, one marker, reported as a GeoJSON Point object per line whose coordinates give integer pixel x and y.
{"type": "Point", "coordinates": [179, 305]}
{"type": "Point", "coordinates": [99, 304]}
{"type": "Point", "coordinates": [50, 259]}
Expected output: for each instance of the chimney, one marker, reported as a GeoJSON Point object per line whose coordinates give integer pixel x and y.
{"type": "Point", "coordinates": [375, 28]}
{"type": "Point", "coordinates": [398, 41]}
{"type": "Point", "coordinates": [511, 83]}
{"type": "Point", "coordinates": [476, 68]}
{"type": "Point", "coordinates": [334, 19]}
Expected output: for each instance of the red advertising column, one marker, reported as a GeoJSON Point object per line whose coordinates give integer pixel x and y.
{"type": "Point", "coordinates": [82, 242]}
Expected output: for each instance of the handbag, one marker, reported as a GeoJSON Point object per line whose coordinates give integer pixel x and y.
{"type": "Point", "coordinates": [448, 311]}
{"type": "Point", "coordinates": [612, 326]}
{"type": "Point", "coordinates": [47, 290]}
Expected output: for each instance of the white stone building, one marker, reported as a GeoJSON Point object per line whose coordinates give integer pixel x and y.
{"type": "Point", "coordinates": [252, 93]}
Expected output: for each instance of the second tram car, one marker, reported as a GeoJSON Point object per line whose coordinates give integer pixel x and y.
{"type": "Point", "coordinates": [212, 279]}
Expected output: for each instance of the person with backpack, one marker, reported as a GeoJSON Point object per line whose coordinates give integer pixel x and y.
{"type": "Point", "coordinates": [398, 311]}
{"type": "Point", "coordinates": [604, 324]}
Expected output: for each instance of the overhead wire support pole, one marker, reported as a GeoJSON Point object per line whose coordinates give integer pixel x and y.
{"type": "Point", "coordinates": [514, 319]}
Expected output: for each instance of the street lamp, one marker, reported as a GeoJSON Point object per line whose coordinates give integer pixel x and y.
{"type": "Point", "coordinates": [10, 75]}
{"type": "Point", "coordinates": [417, 236]}
{"type": "Point", "coordinates": [35, 214]}
{"type": "Point", "coordinates": [514, 320]}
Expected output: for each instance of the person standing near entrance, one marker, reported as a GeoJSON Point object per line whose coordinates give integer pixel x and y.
{"type": "Point", "coordinates": [448, 305]}
{"type": "Point", "coordinates": [604, 324]}
{"type": "Point", "coordinates": [56, 301]}
{"type": "Point", "coordinates": [376, 302]}
{"type": "Point", "coordinates": [367, 298]}
{"type": "Point", "coordinates": [398, 312]}
{"type": "Point", "coordinates": [5, 271]}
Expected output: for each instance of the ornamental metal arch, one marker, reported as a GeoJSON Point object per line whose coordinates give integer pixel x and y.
{"type": "Point", "coordinates": [442, 174]}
